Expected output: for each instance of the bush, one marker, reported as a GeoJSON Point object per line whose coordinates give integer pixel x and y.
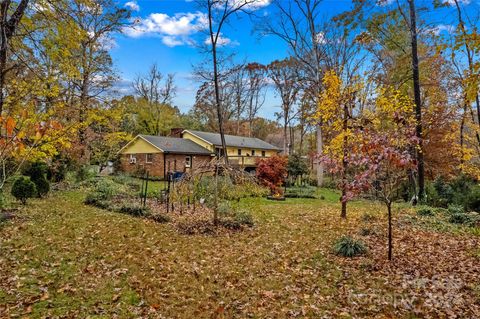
{"type": "Point", "coordinates": [271, 172]}
{"type": "Point", "coordinates": [300, 192]}
{"type": "Point", "coordinates": [224, 209]}
{"type": "Point", "coordinates": [43, 186]}
{"type": "Point", "coordinates": [232, 218]}
{"type": "Point", "coordinates": [296, 166]}
{"type": "Point", "coordinates": [160, 218]}
{"type": "Point", "coordinates": [455, 209]}
{"type": "Point", "coordinates": [441, 210]}
{"type": "Point", "coordinates": [347, 246]}
{"type": "Point", "coordinates": [106, 187]}
{"type": "Point", "coordinates": [204, 187]}
{"type": "Point", "coordinates": [4, 203]}
{"type": "Point", "coordinates": [36, 170]}
{"type": "Point", "coordinates": [461, 218]}
{"type": "Point", "coordinates": [237, 220]}
{"type": "Point", "coordinates": [311, 181]}
{"type": "Point", "coordinates": [133, 210]}
{"type": "Point", "coordinates": [244, 218]}
{"type": "Point", "coordinates": [38, 175]}
{"type": "Point", "coordinates": [472, 202]}
{"type": "Point", "coordinates": [462, 191]}
{"type": "Point", "coordinates": [425, 211]}
{"type": "Point", "coordinates": [23, 189]}
{"type": "Point", "coordinates": [84, 173]}
{"type": "Point", "coordinates": [97, 200]}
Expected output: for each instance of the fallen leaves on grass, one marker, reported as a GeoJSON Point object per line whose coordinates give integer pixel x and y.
{"type": "Point", "coordinates": [83, 261]}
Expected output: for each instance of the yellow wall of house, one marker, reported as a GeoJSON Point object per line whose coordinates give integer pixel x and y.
{"type": "Point", "coordinates": [140, 146]}
{"type": "Point", "coordinates": [233, 151]}
{"type": "Point", "coordinates": [199, 141]}
{"type": "Point", "coordinates": [246, 158]}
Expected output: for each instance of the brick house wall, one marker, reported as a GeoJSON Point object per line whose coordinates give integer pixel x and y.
{"type": "Point", "coordinates": [161, 163]}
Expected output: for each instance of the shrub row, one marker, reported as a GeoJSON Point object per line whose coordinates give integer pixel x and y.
{"type": "Point", "coordinates": [462, 191]}
{"type": "Point", "coordinates": [454, 214]}
{"type": "Point", "coordinates": [300, 192]}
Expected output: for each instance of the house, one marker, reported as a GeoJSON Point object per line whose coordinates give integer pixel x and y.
{"type": "Point", "coordinates": [159, 155]}
{"type": "Point", "coordinates": [242, 151]}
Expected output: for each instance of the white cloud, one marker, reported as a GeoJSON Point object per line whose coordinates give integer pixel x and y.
{"type": "Point", "coordinates": [449, 2]}
{"type": "Point", "coordinates": [442, 27]}
{"type": "Point", "coordinates": [384, 2]}
{"type": "Point", "coordinates": [321, 38]}
{"type": "Point", "coordinates": [172, 41]}
{"type": "Point", "coordinates": [222, 41]}
{"type": "Point", "coordinates": [246, 4]}
{"type": "Point", "coordinates": [132, 5]}
{"type": "Point", "coordinates": [452, 2]}
{"type": "Point", "coordinates": [174, 30]}
{"type": "Point", "coordinates": [43, 6]}
{"type": "Point", "coordinates": [250, 4]}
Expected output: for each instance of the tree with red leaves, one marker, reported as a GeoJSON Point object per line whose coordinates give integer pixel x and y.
{"type": "Point", "coordinates": [271, 172]}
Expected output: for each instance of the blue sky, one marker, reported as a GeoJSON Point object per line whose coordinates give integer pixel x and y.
{"type": "Point", "coordinates": [166, 30]}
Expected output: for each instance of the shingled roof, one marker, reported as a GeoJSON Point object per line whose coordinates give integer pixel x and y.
{"type": "Point", "coordinates": [175, 145]}
{"type": "Point", "coordinates": [234, 141]}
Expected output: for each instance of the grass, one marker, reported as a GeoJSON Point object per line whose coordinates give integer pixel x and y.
{"type": "Point", "coordinates": [60, 258]}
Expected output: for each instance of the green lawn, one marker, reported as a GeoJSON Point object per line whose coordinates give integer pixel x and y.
{"type": "Point", "coordinates": [60, 258]}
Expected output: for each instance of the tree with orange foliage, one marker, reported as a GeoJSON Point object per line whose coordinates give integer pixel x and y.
{"type": "Point", "coordinates": [25, 137]}
{"type": "Point", "coordinates": [272, 172]}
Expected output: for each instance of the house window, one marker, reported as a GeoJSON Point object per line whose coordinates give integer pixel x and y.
{"type": "Point", "coordinates": [148, 158]}
{"type": "Point", "coordinates": [239, 152]}
{"type": "Point", "coordinates": [263, 153]}
{"type": "Point", "coordinates": [188, 161]}
{"type": "Point", "coordinates": [253, 152]}
{"type": "Point", "coordinates": [133, 159]}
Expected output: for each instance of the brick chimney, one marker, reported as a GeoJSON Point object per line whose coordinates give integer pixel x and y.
{"type": "Point", "coordinates": [176, 132]}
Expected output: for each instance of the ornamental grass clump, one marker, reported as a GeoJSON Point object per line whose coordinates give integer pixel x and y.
{"type": "Point", "coordinates": [347, 246]}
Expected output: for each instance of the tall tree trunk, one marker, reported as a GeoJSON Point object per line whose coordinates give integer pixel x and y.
{"type": "Point", "coordinates": [8, 27]}
{"type": "Point", "coordinates": [291, 149]}
{"type": "Point", "coordinates": [3, 70]}
{"type": "Point", "coordinates": [239, 115]}
{"type": "Point", "coordinates": [344, 162]}
{"type": "Point", "coordinates": [418, 101]}
{"type": "Point", "coordinates": [318, 162]}
{"type": "Point", "coordinates": [316, 51]}
{"type": "Point", "coordinates": [218, 104]}
{"type": "Point", "coordinates": [462, 137]}
{"type": "Point", "coordinates": [302, 139]}
{"type": "Point", "coordinates": [390, 235]}
{"type": "Point", "coordinates": [285, 136]}
{"type": "Point", "coordinates": [469, 59]}
{"type": "Point", "coordinates": [250, 124]}
{"type": "Point", "coordinates": [84, 106]}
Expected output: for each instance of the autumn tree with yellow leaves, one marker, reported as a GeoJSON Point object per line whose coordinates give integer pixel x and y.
{"type": "Point", "coordinates": [336, 112]}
